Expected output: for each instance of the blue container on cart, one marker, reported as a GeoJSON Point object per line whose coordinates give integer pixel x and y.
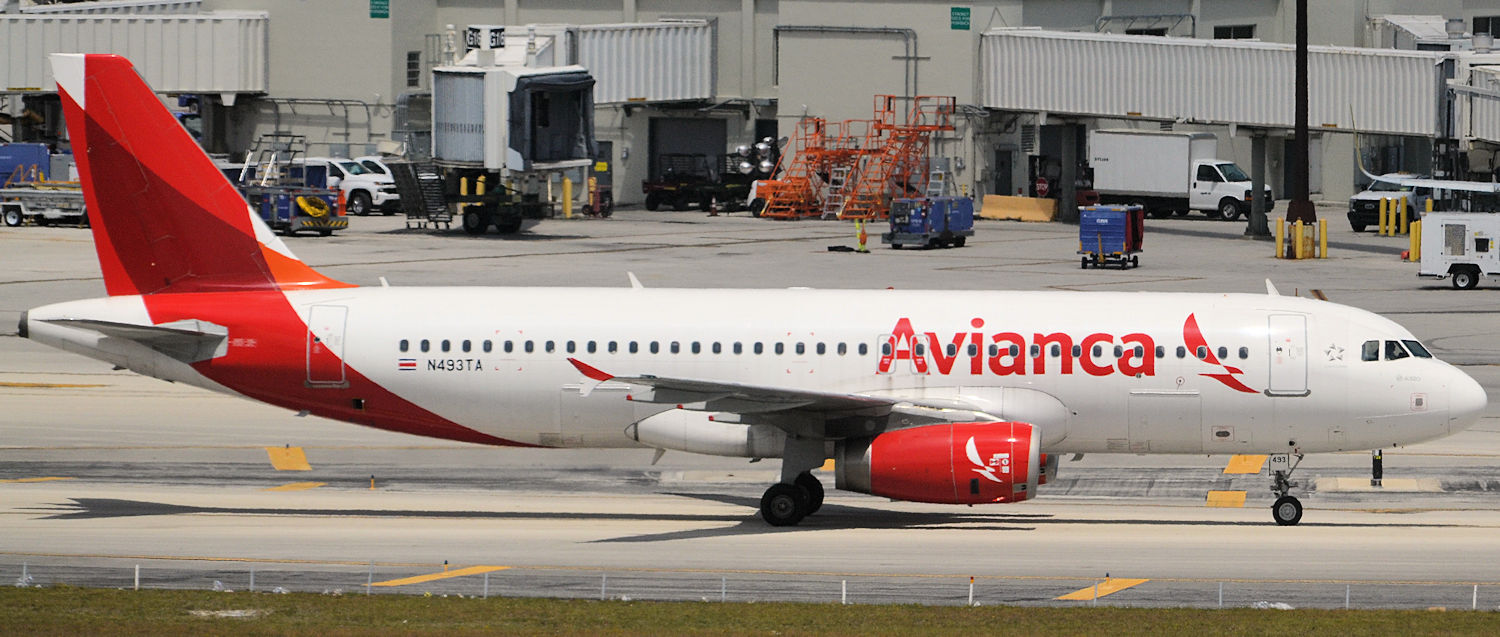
{"type": "Point", "coordinates": [1110, 235]}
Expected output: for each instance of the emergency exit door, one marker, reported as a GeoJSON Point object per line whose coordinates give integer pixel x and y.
{"type": "Point", "coordinates": [1288, 351]}
{"type": "Point", "coordinates": [325, 346]}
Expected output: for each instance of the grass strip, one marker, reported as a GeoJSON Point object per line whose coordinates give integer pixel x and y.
{"type": "Point", "coordinates": [63, 610]}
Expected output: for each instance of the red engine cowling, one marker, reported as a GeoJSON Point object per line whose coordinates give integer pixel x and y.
{"type": "Point", "coordinates": [955, 463]}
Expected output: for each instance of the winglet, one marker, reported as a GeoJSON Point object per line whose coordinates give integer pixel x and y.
{"type": "Point", "coordinates": [634, 282]}
{"type": "Point", "coordinates": [1271, 288]}
{"type": "Point", "coordinates": [590, 372]}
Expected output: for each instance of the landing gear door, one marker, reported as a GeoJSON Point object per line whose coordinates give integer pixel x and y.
{"type": "Point", "coordinates": [1287, 334]}
{"type": "Point", "coordinates": [325, 346]}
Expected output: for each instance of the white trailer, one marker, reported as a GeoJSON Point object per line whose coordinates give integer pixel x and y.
{"type": "Point", "coordinates": [1460, 245]}
{"type": "Point", "coordinates": [1165, 172]}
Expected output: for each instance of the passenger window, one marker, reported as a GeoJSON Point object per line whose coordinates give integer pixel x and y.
{"type": "Point", "coordinates": [571, 347]}
{"type": "Point", "coordinates": [1096, 351]}
{"type": "Point", "coordinates": [592, 347]}
{"type": "Point", "coordinates": [655, 347]}
{"type": "Point", "coordinates": [952, 350]}
{"type": "Point", "coordinates": [780, 348]}
{"type": "Point", "coordinates": [1223, 352]}
{"type": "Point", "coordinates": [822, 349]}
{"type": "Point", "coordinates": [994, 350]}
{"type": "Point", "coordinates": [446, 345]}
{"type": "Point", "coordinates": [1078, 351]}
{"type": "Point", "coordinates": [1202, 352]}
{"type": "Point", "coordinates": [1181, 352]}
{"type": "Point", "coordinates": [1119, 351]}
{"type": "Point", "coordinates": [1015, 350]}
{"type": "Point", "coordinates": [1244, 353]}
{"type": "Point", "coordinates": [1417, 349]}
{"type": "Point", "coordinates": [1394, 351]}
{"type": "Point", "coordinates": [801, 349]}
{"type": "Point", "coordinates": [464, 345]}
{"type": "Point", "coordinates": [529, 347]}
{"type": "Point", "coordinates": [717, 347]}
{"type": "Point", "coordinates": [759, 348]}
{"type": "Point", "coordinates": [863, 349]}
{"type": "Point", "coordinates": [1036, 350]}
{"type": "Point", "coordinates": [425, 345]}
{"type": "Point", "coordinates": [551, 347]}
{"type": "Point", "coordinates": [509, 347]}
{"type": "Point", "coordinates": [973, 350]}
{"type": "Point", "coordinates": [405, 345]}
{"type": "Point", "coordinates": [885, 349]}
{"type": "Point", "coordinates": [738, 348]}
{"type": "Point", "coordinates": [634, 347]}
{"type": "Point", "coordinates": [697, 348]}
{"type": "Point", "coordinates": [489, 346]}
{"type": "Point", "coordinates": [1056, 351]}
{"type": "Point", "coordinates": [675, 348]}
{"type": "Point", "coordinates": [843, 349]}
{"type": "Point", "coordinates": [613, 347]}
{"type": "Point", "coordinates": [921, 350]}
{"type": "Point", "coordinates": [1161, 352]}
{"type": "Point", "coordinates": [1207, 173]}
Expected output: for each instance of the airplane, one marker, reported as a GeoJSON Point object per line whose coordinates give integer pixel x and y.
{"type": "Point", "coordinates": [958, 397]}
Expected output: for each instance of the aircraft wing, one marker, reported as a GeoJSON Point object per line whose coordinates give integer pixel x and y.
{"type": "Point", "coordinates": [788, 408]}
{"type": "Point", "coordinates": [189, 341]}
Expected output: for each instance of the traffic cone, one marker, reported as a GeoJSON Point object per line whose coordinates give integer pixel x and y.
{"type": "Point", "coordinates": [859, 233]}
{"type": "Point", "coordinates": [713, 206]}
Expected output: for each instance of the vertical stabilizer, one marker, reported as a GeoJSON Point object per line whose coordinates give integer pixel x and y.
{"type": "Point", "coordinates": [164, 218]}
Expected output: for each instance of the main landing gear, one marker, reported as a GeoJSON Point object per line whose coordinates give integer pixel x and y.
{"type": "Point", "coordinates": [786, 504]}
{"type": "Point", "coordinates": [1287, 511]}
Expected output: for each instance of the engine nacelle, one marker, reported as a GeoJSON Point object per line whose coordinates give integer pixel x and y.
{"type": "Point", "coordinates": [953, 463]}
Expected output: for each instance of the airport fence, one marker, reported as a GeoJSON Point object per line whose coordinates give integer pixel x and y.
{"type": "Point", "coordinates": [748, 586]}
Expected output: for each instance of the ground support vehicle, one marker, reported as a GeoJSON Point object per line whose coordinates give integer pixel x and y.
{"type": "Point", "coordinates": [484, 201]}
{"type": "Point", "coordinates": [1460, 246]}
{"type": "Point", "coordinates": [936, 222]}
{"type": "Point", "coordinates": [289, 193]}
{"type": "Point", "coordinates": [422, 197]}
{"type": "Point", "coordinates": [1166, 172]}
{"type": "Point", "coordinates": [1364, 207]}
{"type": "Point", "coordinates": [1110, 235]}
{"type": "Point", "coordinates": [365, 189]}
{"type": "Point", "coordinates": [43, 204]}
{"type": "Point", "coordinates": [682, 181]}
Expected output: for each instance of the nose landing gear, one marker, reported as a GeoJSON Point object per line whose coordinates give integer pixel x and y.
{"type": "Point", "coordinates": [1287, 511]}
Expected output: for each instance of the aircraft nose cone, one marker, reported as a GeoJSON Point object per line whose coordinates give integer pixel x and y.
{"type": "Point", "coordinates": [1466, 403]}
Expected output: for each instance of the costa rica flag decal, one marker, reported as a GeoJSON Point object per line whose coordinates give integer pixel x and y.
{"type": "Point", "coordinates": [407, 364]}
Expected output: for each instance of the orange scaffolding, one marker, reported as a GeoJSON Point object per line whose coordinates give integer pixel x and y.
{"type": "Point", "coordinates": [896, 163]}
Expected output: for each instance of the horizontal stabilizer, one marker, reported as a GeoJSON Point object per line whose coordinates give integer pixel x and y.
{"type": "Point", "coordinates": [189, 340]}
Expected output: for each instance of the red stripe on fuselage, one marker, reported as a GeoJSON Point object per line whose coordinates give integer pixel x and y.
{"type": "Point", "coordinates": [273, 369]}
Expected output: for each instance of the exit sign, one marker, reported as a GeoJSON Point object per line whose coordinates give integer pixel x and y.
{"type": "Point", "coordinates": [380, 8]}
{"type": "Point", "coordinates": [958, 18]}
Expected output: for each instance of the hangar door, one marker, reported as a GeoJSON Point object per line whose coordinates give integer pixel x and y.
{"type": "Point", "coordinates": [693, 136]}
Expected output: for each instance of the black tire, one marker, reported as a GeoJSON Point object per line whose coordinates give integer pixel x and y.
{"type": "Point", "coordinates": [1357, 227]}
{"type": "Point", "coordinates": [1135, 262]}
{"type": "Point", "coordinates": [682, 202]}
{"type": "Point", "coordinates": [475, 223]}
{"type": "Point", "coordinates": [784, 505]}
{"type": "Point", "coordinates": [1182, 213]}
{"type": "Point", "coordinates": [1465, 279]}
{"type": "Point", "coordinates": [325, 232]}
{"type": "Point", "coordinates": [606, 205]}
{"type": "Point", "coordinates": [814, 489]}
{"type": "Point", "coordinates": [1229, 210]}
{"type": "Point", "coordinates": [757, 206]}
{"type": "Point", "coordinates": [1157, 213]}
{"type": "Point", "coordinates": [1084, 263]}
{"type": "Point", "coordinates": [510, 226]}
{"type": "Point", "coordinates": [13, 216]}
{"type": "Point", "coordinates": [1287, 511]}
{"type": "Point", "coordinates": [653, 200]}
{"type": "Point", "coordinates": [958, 242]}
{"type": "Point", "coordinates": [359, 203]}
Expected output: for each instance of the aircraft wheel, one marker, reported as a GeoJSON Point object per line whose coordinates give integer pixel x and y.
{"type": "Point", "coordinates": [784, 504]}
{"type": "Point", "coordinates": [814, 488]}
{"type": "Point", "coordinates": [1287, 511]}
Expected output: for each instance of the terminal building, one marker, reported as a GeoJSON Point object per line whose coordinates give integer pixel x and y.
{"type": "Point", "coordinates": [356, 76]}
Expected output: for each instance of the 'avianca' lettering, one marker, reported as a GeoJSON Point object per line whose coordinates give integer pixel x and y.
{"type": "Point", "coordinates": [1007, 353]}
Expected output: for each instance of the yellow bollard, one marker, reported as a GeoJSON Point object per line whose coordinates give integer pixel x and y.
{"type": "Point", "coordinates": [1322, 238]}
{"type": "Point", "coordinates": [1401, 203]}
{"type": "Point", "coordinates": [1280, 234]}
{"type": "Point", "coordinates": [1297, 239]}
{"type": "Point", "coordinates": [1385, 205]}
{"type": "Point", "coordinates": [1416, 240]}
{"type": "Point", "coordinates": [567, 196]}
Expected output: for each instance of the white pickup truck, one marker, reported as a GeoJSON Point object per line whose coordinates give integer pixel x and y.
{"type": "Point", "coordinates": [1460, 245]}
{"type": "Point", "coordinates": [1168, 172]}
{"type": "Point", "coordinates": [364, 190]}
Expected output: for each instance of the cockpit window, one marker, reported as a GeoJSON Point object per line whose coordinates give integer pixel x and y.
{"type": "Point", "coordinates": [1370, 351]}
{"type": "Point", "coordinates": [1394, 351]}
{"type": "Point", "coordinates": [1417, 350]}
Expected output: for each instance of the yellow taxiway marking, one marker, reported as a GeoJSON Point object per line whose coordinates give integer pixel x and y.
{"type": "Point", "coordinates": [418, 579]}
{"type": "Point", "coordinates": [288, 458]}
{"type": "Point", "coordinates": [1245, 464]}
{"type": "Point", "coordinates": [1106, 587]}
{"type": "Point", "coordinates": [1230, 499]}
{"type": "Point", "coordinates": [297, 486]}
{"type": "Point", "coordinates": [44, 479]}
{"type": "Point", "coordinates": [49, 385]}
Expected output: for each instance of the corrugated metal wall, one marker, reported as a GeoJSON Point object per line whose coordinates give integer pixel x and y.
{"type": "Point", "coordinates": [653, 62]}
{"type": "Point", "coordinates": [1221, 81]}
{"type": "Point", "coordinates": [221, 52]}
{"type": "Point", "coordinates": [1484, 110]}
{"type": "Point", "coordinates": [155, 7]}
{"type": "Point", "coordinates": [458, 102]}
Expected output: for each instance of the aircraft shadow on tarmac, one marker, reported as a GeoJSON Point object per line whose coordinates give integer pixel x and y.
{"type": "Point", "coordinates": [831, 516]}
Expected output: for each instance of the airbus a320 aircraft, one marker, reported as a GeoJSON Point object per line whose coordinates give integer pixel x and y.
{"type": "Point", "coordinates": [945, 397]}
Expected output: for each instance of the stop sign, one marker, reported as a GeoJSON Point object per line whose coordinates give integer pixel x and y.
{"type": "Point", "coordinates": [1041, 187]}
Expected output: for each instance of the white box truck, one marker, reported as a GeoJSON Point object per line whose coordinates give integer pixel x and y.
{"type": "Point", "coordinates": [1460, 245]}
{"type": "Point", "coordinates": [1168, 172]}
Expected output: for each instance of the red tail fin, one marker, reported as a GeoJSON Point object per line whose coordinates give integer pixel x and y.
{"type": "Point", "coordinates": [164, 218]}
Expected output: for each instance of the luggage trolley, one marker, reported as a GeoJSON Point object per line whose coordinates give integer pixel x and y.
{"type": "Point", "coordinates": [1110, 235]}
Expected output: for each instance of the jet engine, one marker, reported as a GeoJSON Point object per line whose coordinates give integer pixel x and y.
{"type": "Point", "coordinates": [951, 463]}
